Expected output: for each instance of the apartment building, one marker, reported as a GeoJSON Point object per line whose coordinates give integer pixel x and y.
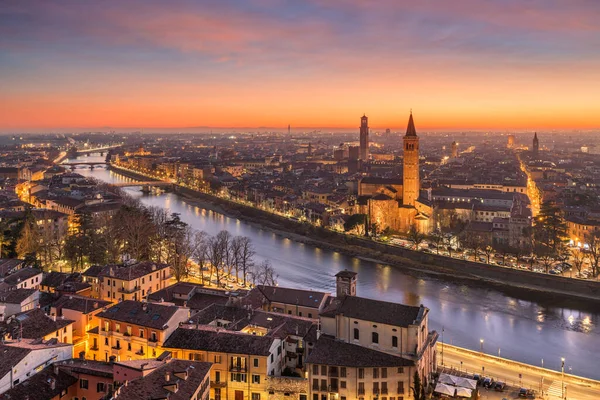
{"type": "Point", "coordinates": [127, 281]}
{"type": "Point", "coordinates": [132, 330]}
{"type": "Point", "coordinates": [242, 363]}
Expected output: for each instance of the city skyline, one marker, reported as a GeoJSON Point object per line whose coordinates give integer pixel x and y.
{"type": "Point", "coordinates": [472, 66]}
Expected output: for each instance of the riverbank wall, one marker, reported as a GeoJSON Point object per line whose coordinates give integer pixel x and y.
{"type": "Point", "coordinates": [516, 365]}
{"type": "Point", "coordinates": [521, 283]}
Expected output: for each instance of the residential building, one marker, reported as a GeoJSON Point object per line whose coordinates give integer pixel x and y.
{"type": "Point", "coordinates": [133, 330]}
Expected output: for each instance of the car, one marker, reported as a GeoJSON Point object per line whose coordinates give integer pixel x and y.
{"type": "Point", "coordinates": [526, 393]}
{"type": "Point", "coordinates": [488, 383]}
{"type": "Point", "coordinates": [554, 272]}
{"type": "Point", "coordinates": [478, 378]}
{"type": "Point", "coordinates": [499, 386]}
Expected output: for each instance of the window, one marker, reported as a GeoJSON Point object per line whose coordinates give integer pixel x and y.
{"type": "Point", "coordinates": [100, 388]}
{"type": "Point", "coordinates": [400, 370]}
{"type": "Point", "coordinates": [256, 379]}
{"type": "Point", "coordinates": [395, 341]}
{"type": "Point", "coordinates": [323, 370]}
{"type": "Point", "coordinates": [356, 334]}
{"type": "Point", "coordinates": [142, 333]}
{"type": "Point", "coordinates": [375, 387]}
{"type": "Point", "coordinates": [401, 387]}
{"type": "Point", "coordinates": [128, 346]}
{"type": "Point", "coordinates": [255, 396]}
{"type": "Point", "coordinates": [383, 373]}
{"type": "Point", "coordinates": [343, 384]}
{"type": "Point", "coordinates": [361, 373]}
{"type": "Point", "coordinates": [153, 336]}
{"type": "Point", "coordinates": [309, 315]}
{"type": "Point", "coordinates": [315, 396]}
{"type": "Point", "coordinates": [83, 383]}
{"type": "Point", "coordinates": [217, 393]}
{"type": "Point", "coordinates": [237, 377]}
{"type": "Point", "coordinates": [361, 388]}
{"type": "Point", "coordinates": [315, 384]}
{"type": "Point", "coordinates": [195, 357]}
{"type": "Point", "coordinates": [343, 372]}
{"type": "Point", "coordinates": [315, 370]}
{"type": "Point", "coordinates": [117, 328]}
{"type": "Point", "coordinates": [384, 388]}
{"type": "Point", "coordinates": [375, 337]}
{"type": "Point", "coordinates": [217, 359]}
{"type": "Point", "coordinates": [106, 341]}
{"type": "Point", "coordinates": [375, 373]}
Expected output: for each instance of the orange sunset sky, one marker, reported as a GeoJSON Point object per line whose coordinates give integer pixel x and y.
{"type": "Point", "coordinates": [464, 64]}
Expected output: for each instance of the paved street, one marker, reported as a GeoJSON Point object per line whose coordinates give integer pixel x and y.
{"type": "Point", "coordinates": [531, 377]}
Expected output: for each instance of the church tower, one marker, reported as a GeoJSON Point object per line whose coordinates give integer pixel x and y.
{"type": "Point", "coordinates": [411, 183]}
{"type": "Point", "coordinates": [454, 149]}
{"type": "Point", "coordinates": [364, 138]}
{"type": "Point", "coordinates": [536, 144]}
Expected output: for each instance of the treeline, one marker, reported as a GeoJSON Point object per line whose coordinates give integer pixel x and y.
{"type": "Point", "coordinates": [143, 234]}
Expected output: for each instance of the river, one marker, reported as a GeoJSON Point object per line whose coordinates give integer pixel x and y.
{"type": "Point", "coordinates": [526, 331]}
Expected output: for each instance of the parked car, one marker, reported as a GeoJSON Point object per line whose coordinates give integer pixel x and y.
{"type": "Point", "coordinates": [526, 393]}
{"type": "Point", "coordinates": [488, 383]}
{"type": "Point", "coordinates": [499, 386]}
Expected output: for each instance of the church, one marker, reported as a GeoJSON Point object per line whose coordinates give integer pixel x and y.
{"type": "Point", "coordinates": [397, 205]}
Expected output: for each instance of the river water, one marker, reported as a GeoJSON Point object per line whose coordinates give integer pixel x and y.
{"type": "Point", "coordinates": [523, 330]}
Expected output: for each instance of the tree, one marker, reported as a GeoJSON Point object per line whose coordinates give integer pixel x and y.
{"type": "Point", "coordinates": [29, 237]}
{"type": "Point", "coordinates": [550, 227]}
{"type": "Point", "coordinates": [137, 233]}
{"type": "Point", "coordinates": [200, 251]}
{"type": "Point", "coordinates": [415, 237]}
{"type": "Point", "coordinates": [593, 241]}
{"type": "Point", "coordinates": [265, 274]}
{"type": "Point", "coordinates": [356, 222]}
{"type": "Point", "coordinates": [242, 255]}
{"type": "Point", "coordinates": [436, 237]}
{"type": "Point", "coordinates": [578, 257]}
{"type": "Point", "coordinates": [5, 238]}
{"type": "Point", "coordinates": [180, 246]}
{"type": "Point", "coordinates": [488, 251]}
{"type": "Point", "coordinates": [418, 388]}
{"type": "Point", "coordinates": [216, 256]}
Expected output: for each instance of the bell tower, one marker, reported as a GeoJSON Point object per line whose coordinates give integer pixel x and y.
{"type": "Point", "coordinates": [411, 184]}
{"type": "Point", "coordinates": [364, 138]}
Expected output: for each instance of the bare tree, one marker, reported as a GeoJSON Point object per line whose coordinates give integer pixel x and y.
{"type": "Point", "coordinates": [216, 256]}
{"type": "Point", "coordinates": [578, 257]}
{"type": "Point", "coordinates": [201, 239]}
{"type": "Point", "coordinates": [415, 237]}
{"type": "Point", "coordinates": [137, 229]}
{"type": "Point", "coordinates": [243, 252]}
{"type": "Point", "coordinates": [593, 241]}
{"type": "Point", "coordinates": [264, 274]}
{"type": "Point", "coordinates": [224, 238]}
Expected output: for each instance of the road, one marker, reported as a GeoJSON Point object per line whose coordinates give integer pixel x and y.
{"type": "Point", "coordinates": [531, 377]}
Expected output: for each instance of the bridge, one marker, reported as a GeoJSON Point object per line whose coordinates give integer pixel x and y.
{"type": "Point", "coordinates": [142, 183]}
{"type": "Point", "coordinates": [145, 185]}
{"type": "Point", "coordinates": [100, 150]}
{"type": "Point", "coordinates": [90, 164]}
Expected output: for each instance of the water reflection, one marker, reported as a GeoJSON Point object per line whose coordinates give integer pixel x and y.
{"type": "Point", "coordinates": [525, 329]}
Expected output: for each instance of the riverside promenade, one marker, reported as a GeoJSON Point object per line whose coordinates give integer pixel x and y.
{"type": "Point", "coordinates": [547, 383]}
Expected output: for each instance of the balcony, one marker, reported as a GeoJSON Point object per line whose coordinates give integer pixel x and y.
{"type": "Point", "coordinates": [132, 290]}
{"type": "Point", "coordinates": [118, 348]}
{"type": "Point", "coordinates": [140, 352]}
{"type": "Point", "coordinates": [384, 391]}
{"type": "Point", "coordinates": [237, 368]}
{"type": "Point", "coordinates": [219, 384]}
{"type": "Point", "coordinates": [94, 348]}
{"type": "Point", "coordinates": [361, 392]}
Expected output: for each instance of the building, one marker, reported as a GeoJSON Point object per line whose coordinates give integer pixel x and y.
{"type": "Point", "coordinates": [386, 209]}
{"type": "Point", "coordinates": [94, 379]}
{"type": "Point", "coordinates": [127, 281]}
{"type": "Point", "coordinates": [83, 311]}
{"type": "Point", "coordinates": [29, 360]}
{"type": "Point", "coordinates": [24, 278]}
{"type": "Point", "coordinates": [132, 330]}
{"type": "Point", "coordinates": [536, 145]}
{"type": "Point", "coordinates": [454, 153]}
{"type": "Point", "coordinates": [345, 371]}
{"type": "Point", "coordinates": [164, 379]}
{"type": "Point", "coordinates": [510, 144]}
{"type": "Point", "coordinates": [241, 362]}
{"type": "Point", "coordinates": [17, 301]}
{"type": "Point", "coordinates": [302, 303]}
{"type": "Point", "coordinates": [364, 138]}
{"type": "Point", "coordinates": [35, 324]}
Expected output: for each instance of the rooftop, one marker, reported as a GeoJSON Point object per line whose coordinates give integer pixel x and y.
{"type": "Point", "coordinates": [151, 315]}
{"type": "Point", "coordinates": [219, 340]}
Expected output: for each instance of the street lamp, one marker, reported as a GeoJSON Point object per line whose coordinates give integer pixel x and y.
{"type": "Point", "coordinates": [562, 384]}
{"type": "Point", "coordinates": [481, 345]}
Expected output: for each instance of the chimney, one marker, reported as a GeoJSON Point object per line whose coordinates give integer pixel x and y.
{"type": "Point", "coordinates": [167, 376]}
{"type": "Point", "coordinates": [52, 383]}
{"type": "Point", "coordinates": [145, 307]}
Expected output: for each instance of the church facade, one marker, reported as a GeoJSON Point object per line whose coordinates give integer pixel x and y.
{"type": "Point", "coordinates": [390, 206]}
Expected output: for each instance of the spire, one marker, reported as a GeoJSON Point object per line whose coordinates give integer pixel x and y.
{"type": "Point", "coordinates": [410, 130]}
{"type": "Point", "coordinates": [535, 135]}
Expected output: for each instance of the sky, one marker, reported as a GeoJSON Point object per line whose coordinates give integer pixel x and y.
{"type": "Point", "coordinates": [460, 64]}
